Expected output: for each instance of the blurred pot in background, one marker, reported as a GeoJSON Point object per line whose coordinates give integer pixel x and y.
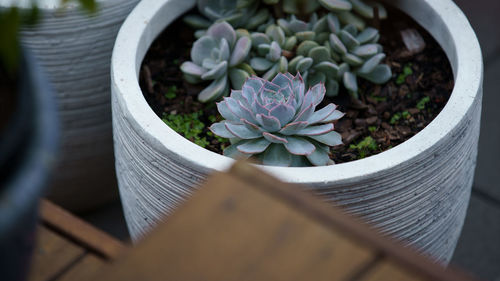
{"type": "Point", "coordinates": [28, 141]}
{"type": "Point", "coordinates": [75, 48]}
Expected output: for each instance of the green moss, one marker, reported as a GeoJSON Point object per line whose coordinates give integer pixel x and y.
{"type": "Point", "coordinates": [219, 139]}
{"type": "Point", "coordinates": [171, 92]}
{"type": "Point", "coordinates": [378, 98]}
{"type": "Point", "coordinates": [421, 104]}
{"type": "Point", "coordinates": [395, 118]}
{"type": "Point", "coordinates": [212, 118]}
{"type": "Point", "coordinates": [407, 71]}
{"type": "Point", "coordinates": [187, 125]}
{"type": "Point", "coordinates": [372, 129]}
{"type": "Point", "coordinates": [363, 147]}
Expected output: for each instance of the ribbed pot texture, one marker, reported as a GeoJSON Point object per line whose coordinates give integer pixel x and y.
{"type": "Point", "coordinates": [417, 192]}
{"type": "Point", "coordinates": [75, 49]}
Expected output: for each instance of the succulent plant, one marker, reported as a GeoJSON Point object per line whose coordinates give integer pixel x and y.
{"type": "Point", "coordinates": [277, 122]}
{"type": "Point", "coordinates": [240, 13]}
{"type": "Point", "coordinates": [334, 49]}
{"type": "Point", "coordinates": [218, 56]}
{"type": "Point", "coordinates": [268, 58]}
{"type": "Point", "coordinates": [360, 54]}
{"type": "Point", "coordinates": [330, 53]}
{"type": "Point", "coordinates": [365, 8]}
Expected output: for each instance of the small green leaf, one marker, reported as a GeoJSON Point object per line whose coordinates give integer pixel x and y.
{"type": "Point", "coordinates": [395, 118]}
{"type": "Point", "coordinates": [407, 71]}
{"type": "Point", "coordinates": [365, 146]}
{"type": "Point", "coordinates": [421, 104]}
{"type": "Point", "coordinates": [171, 92]}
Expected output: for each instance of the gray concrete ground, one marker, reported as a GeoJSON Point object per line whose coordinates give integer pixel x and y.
{"type": "Point", "coordinates": [478, 250]}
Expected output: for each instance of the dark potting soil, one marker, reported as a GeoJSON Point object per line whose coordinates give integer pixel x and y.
{"type": "Point", "coordinates": [385, 116]}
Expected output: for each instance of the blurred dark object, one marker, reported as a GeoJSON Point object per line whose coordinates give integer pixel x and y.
{"type": "Point", "coordinates": [28, 145]}
{"type": "Point", "coordinates": [246, 225]}
{"type": "Point", "coordinates": [68, 248]}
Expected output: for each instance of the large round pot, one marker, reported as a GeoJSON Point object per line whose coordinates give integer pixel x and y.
{"type": "Point", "coordinates": [75, 49]}
{"type": "Point", "coordinates": [417, 192]}
{"type": "Point", "coordinates": [27, 153]}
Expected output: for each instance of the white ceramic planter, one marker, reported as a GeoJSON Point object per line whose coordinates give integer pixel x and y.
{"type": "Point", "coordinates": [417, 192]}
{"type": "Point", "coordinates": [75, 49]}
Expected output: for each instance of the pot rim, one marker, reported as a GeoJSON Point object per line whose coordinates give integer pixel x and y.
{"type": "Point", "coordinates": [443, 19]}
{"type": "Point", "coordinates": [42, 4]}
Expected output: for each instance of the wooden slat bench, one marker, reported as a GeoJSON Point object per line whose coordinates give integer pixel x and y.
{"type": "Point", "coordinates": [246, 225]}
{"type": "Point", "coordinates": [69, 248]}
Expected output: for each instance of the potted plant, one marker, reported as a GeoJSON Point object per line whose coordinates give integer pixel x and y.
{"type": "Point", "coordinates": [417, 192]}
{"type": "Point", "coordinates": [75, 49]}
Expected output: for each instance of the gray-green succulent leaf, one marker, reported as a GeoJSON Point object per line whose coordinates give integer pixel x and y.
{"type": "Point", "coordinates": [336, 5]}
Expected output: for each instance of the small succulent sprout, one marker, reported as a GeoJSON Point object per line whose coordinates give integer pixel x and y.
{"type": "Point", "coordinates": [218, 56]}
{"type": "Point", "coordinates": [268, 59]}
{"type": "Point", "coordinates": [278, 123]}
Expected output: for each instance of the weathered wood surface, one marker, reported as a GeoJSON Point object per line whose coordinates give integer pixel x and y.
{"type": "Point", "coordinates": [69, 248]}
{"type": "Point", "coordinates": [248, 226]}
{"type": "Point", "coordinates": [80, 231]}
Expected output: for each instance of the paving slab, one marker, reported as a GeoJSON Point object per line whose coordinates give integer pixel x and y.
{"type": "Point", "coordinates": [484, 18]}
{"type": "Point", "coordinates": [487, 177]}
{"type": "Point", "coordinates": [478, 250]}
{"type": "Point", "coordinates": [109, 219]}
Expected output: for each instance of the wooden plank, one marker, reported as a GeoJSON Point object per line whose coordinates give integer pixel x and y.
{"type": "Point", "coordinates": [80, 231]}
{"type": "Point", "coordinates": [231, 231]}
{"type": "Point", "coordinates": [249, 226]}
{"type": "Point", "coordinates": [388, 270]}
{"type": "Point", "coordinates": [52, 255]}
{"type": "Point", "coordinates": [334, 219]}
{"type": "Point", "coordinates": [85, 269]}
